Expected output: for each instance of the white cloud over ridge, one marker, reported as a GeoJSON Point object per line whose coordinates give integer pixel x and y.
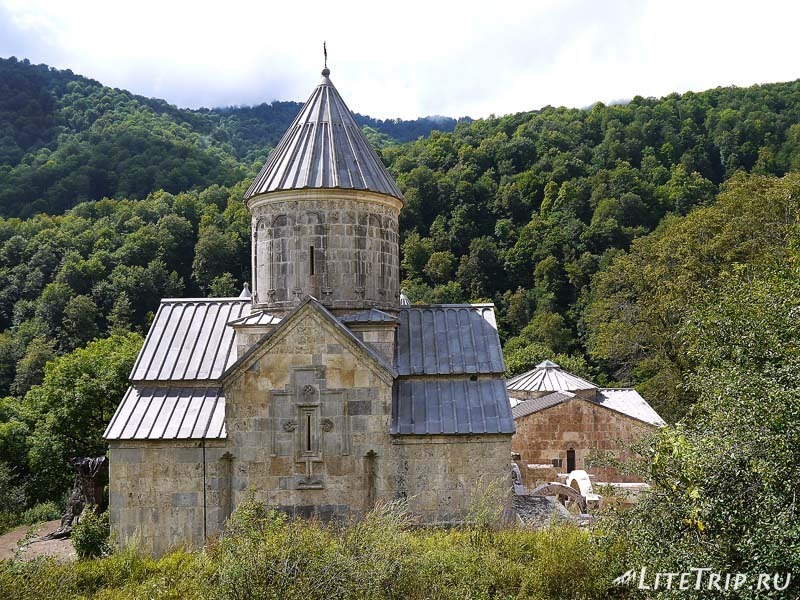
{"type": "Point", "coordinates": [413, 58]}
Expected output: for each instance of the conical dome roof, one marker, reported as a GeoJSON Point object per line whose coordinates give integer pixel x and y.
{"type": "Point", "coordinates": [324, 148]}
{"type": "Point", "coordinates": [548, 377]}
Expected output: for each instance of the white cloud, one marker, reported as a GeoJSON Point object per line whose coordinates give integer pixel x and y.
{"type": "Point", "coordinates": [412, 58]}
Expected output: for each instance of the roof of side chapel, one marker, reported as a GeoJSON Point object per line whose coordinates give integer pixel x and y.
{"type": "Point", "coordinates": [189, 340]}
{"type": "Point", "coordinates": [450, 372]}
{"type": "Point", "coordinates": [175, 390]}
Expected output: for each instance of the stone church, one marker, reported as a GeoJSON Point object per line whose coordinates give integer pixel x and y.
{"type": "Point", "coordinates": [325, 390]}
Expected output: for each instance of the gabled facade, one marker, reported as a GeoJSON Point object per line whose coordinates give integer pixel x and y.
{"type": "Point", "coordinates": [322, 392]}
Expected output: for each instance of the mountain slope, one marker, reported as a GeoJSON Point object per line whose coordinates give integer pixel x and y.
{"type": "Point", "coordinates": [65, 139]}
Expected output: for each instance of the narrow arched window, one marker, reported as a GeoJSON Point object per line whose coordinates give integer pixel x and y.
{"type": "Point", "coordinates": [570, 460]}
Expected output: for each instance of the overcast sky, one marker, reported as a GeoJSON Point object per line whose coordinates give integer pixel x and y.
{"type": "Point", "coordinates": [410, 58]}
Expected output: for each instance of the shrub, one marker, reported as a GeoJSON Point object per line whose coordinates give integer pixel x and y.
{"type": "Point", "coordinates": [90, 536]}
{"type": "Point", "coordinates": [43, 578]}
{"type": "Point", "coordinates": [378, 556]}
{"type": "Point", "coordinates": [44, 511]}
{"type": "Point", "coordinates": [8, 520]}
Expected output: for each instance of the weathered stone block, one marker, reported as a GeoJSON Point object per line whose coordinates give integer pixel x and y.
{"type": "Point", "coordinates": [181, 499]}
{"type": "Point", "coordinates": [359, 407]}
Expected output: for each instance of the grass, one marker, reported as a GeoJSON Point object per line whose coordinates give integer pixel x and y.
{"type": "Point", "coordinates": [265, 555]}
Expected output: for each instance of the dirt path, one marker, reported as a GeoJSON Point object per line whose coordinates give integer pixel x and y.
{"type": "Point", "coordinates": [58, 548]}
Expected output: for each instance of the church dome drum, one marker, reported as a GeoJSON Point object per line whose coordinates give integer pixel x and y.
{"type": "Point", "coordinates": [325, 215]}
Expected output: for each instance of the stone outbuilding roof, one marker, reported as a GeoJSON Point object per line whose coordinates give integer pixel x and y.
{"type": "Point", "coordinates": [324, 148]}
{"type": "Point", "coordinates": [559, 386]}
{"type": "Point", "coordinates": [625, 401]}
{"type": "Point", "coordinates": [528, 407]}
{"type": "Point", "coordinates": [629, 402]}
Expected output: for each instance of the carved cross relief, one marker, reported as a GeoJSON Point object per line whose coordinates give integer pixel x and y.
{"type": "Point", "coordinates": [302, 414]}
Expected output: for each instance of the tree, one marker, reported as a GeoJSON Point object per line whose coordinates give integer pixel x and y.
{"type": "Point", "coordinates": [31, 367]}
{"type": "Point", "coordinates": [224, 286]}
{"type": "Point", "coordinates": [215, 254]}
{"type": "Point", "coordinates": [725, 479]}
{"type": "Point", "coordinates": [72, 406]}
{"type": "Point", "coordinates": [638, 305]}
{"type": "Point", "coordinates": [416, 254]}
{"type": "Point", "coordinates": [440, 267]}
{"type": "Point", "coordinates": [50, 306]}
{"type": "Point", "coordinates": [80, 322]}
{"type": "Point", "coordinates": [120, 319]}
{"type": "Point", "coordinates": [481, 272]}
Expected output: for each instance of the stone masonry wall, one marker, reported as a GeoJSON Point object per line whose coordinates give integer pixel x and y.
{"type": "Point", "coordinates": [581, 425]}
{"type": "Point", "coordinates": [156, 492]}
{"type": "Point", "coordinates": [341, 247]}
{"type": "Point", "coordinates": [308, 422]}
{"type": "Point", "coordinates": [440, 474]}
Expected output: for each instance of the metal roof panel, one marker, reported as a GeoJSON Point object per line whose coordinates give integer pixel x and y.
{"type": "Point", "coordinates": [548, 377]}
{"type": "Point", "coordinates": [448, 340]}
{"type": "Point", "coordinates": [190, 340]}
{"type": "Point", "coordinates": [629, 402]}
{"type": "Point", "coordinates": [324, 148]}
{"type": "Point", "coordinates": [528, 407]}
{"type": "Point", "coordinates": [153, 413]}
{"type": "Point", "coordinates": [450, 406]}
{"type": "Point", "coordinates": [372, 315]}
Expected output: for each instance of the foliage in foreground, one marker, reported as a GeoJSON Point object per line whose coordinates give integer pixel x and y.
{"type": "Point", "coordinates": [725, 479]}
{"type": "Point", "coordinates": [265, 555]}
{"type": "Point", "coordinates": [90, 536]}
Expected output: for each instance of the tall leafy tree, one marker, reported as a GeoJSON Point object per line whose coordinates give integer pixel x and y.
{"type": "Point", "coordinates": [70, 409]}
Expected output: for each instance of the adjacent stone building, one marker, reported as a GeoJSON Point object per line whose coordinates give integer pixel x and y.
{"type": "Point", "coordinates": [320, 392]}
{"type": "Point", "coordinates": [563, 420]}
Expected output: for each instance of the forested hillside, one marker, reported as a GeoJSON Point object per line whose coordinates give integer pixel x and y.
{"type": "Point", "coordinates": [65, 139]}
{"type": "Point", "coordinates": [598, 233]}
{"type": "Point", "coordinates": [530, 209]}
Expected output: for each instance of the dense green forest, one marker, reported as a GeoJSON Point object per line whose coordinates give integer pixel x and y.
{"type": "Point", "coordinates": [651, 244]}
{"type": "Point", "coordinates": [65, 139]}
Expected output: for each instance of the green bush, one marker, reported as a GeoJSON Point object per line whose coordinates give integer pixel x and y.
{"type": "Point", "coordinates": [8, 520]}
{"type": "Point", "coordinates": [381, 556]}
{"type": "Point", "coordinates": [43, 578]}
{"type": "Point", "coordinates": [44, 511]}
{"type": "Point", "coordinates": [90, 536]}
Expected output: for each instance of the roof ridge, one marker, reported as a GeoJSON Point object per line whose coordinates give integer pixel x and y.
{"type": "Point", "coordinates": [219, 299]}
{"type": "Point", "coordinates": [289, 318]}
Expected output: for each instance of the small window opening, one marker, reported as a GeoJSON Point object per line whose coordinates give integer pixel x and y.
{"type": "Point", "coordinates": [311, 260]}
{"type": "Point", "coordinates": [570, 460]}
{"type": "Point", "coordinates": [308, 433]}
